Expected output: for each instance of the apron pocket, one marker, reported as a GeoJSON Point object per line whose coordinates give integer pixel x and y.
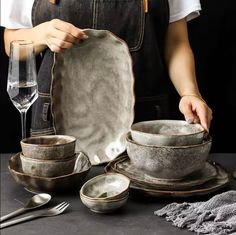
{"type": "Point", "coordinates": [125, 18]}
{"type": "Point", "coordinates": [41, 116]}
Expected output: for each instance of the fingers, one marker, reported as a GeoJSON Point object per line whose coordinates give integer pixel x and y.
{"type": "Point", "coordinates": [57, 45]}
{"type": "Point", "coordinates": [205, 115]}
{"type": "Point", "coordinates": [68, 28]}
{"type": "Point", "coordinates": [196, 111]}
{"type": "Point", "coordinates": [62, 35]}
{"type": "Point", "coordinates": [186, 109]}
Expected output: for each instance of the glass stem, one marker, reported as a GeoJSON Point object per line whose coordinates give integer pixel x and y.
{"type": "Point", "coordinates": [23, 124]}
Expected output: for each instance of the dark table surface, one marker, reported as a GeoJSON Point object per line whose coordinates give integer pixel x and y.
{"type": "Point", "coordinates": [136, 217]}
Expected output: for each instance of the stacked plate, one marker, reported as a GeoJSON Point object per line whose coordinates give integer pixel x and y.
{"type": "Point", "coordinates": [210, 178]}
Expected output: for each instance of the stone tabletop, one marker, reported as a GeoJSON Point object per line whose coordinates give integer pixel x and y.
{"type": "Point", "coordinates": [135, 218]}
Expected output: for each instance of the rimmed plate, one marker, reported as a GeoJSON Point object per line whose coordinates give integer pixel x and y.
{"type": "Point", "coordinates": [218, 182]}
{"type": "Point", "coordinates": [93, 95]}
{"type": "Point", "coordinates": [53, 184]}
{"type": "Point", "coordinates": [142, 178]}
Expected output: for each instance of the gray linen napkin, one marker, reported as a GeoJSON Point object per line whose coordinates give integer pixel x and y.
{"type": "Point", "coordinates": [215, 216]}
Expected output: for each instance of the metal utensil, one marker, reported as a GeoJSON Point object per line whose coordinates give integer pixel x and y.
{"type": "Point", "coordinates": [35, 202]}
{"type": "Point", "coordinates": [50, 212]}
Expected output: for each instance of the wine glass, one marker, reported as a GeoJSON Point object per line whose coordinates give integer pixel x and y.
{"type": "Point", "coordinates": [22, 85]}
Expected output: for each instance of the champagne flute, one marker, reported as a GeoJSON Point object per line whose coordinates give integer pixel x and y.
{"type": "Point", "coordinates": [22, 85]}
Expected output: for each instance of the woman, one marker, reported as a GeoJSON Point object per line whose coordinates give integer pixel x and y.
{"type": "Point", "coordinates": [155, 31]}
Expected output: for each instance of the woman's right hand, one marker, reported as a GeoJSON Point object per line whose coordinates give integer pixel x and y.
{"type": "Point", "coordinates": [59, 35]}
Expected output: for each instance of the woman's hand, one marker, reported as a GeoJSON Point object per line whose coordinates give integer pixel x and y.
{"type": "Point", "coordinates": [59, 35]}
{"type": "Point", "coordinates": [55, 34]}
{"type": "Point", "coordinates": [195, 110]}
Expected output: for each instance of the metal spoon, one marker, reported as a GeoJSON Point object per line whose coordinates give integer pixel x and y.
{"type": "Point", "coordinates": [35, 202]}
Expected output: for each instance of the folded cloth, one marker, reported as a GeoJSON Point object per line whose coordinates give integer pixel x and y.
{"type": "Point", "coordinates": [215, 216]}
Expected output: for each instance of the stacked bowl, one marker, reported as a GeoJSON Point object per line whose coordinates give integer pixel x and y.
{"type": "Point", "coordinates": [49, 163]}
{"type": "Point", "coordinates": [168, 149]}
{"type": "Point", "coordinates": [48, 156]}
{"type": "Point", "coordinates": [106, 192]}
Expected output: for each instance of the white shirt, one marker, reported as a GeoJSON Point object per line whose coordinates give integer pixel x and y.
{"type": "Point", "coordinates": [17, 13]}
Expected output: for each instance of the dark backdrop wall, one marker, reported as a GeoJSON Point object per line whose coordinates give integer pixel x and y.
{"type": "Point", "coordinates": [214, 46]}
{"type": "Point", "coordinates": [10, 117]}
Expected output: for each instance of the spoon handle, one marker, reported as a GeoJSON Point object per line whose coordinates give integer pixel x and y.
{"type": "Point", "coordinates": [12, 214]}
{"type": "Point", "coordinates": [17, 221]}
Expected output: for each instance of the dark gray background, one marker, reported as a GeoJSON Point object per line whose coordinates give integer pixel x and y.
{"type": "Point", "coordinates": [214, 46]}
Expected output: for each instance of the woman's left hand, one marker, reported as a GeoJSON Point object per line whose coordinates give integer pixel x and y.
{"type": "Point", "coordinates": [195, 110]}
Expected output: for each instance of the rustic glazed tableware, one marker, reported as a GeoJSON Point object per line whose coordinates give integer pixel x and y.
{"type": "Point", "coordinates": [50, 147]}
{"type": "Point", "coordinates": [167, 133]}
{"type": "Point", "coordinates": [98, 91]}
{"type": "Point", "coordinates": [105, 193]}
{"type": "Point", "coordinates": [220, 181]}
{"type": "Point", "coordinates": [106, 187]}
{"type": "Point", "coordinates": [47, 168]}
{"type": "Point", "coordinates": [50, 184]}
{"type": "Point", "coordinates": [168, 162]}
{"type": "Point", "coordinates": [104, 206]}
{"type": "Point", "coordinates": [142, 178]}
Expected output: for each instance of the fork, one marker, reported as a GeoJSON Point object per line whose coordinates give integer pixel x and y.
{"type": "Point", "coordinates": [50, 212]}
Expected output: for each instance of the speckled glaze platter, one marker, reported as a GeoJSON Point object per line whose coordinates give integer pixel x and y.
{"type": "Point", "coordinates": [93, 95]}
{"type": "Point", "coordinates": [220, 180]}
{"type": "Point", "coordinates": [142, 178]}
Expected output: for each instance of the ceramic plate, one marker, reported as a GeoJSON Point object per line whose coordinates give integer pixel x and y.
{"type": "Point", "coordinates": [53, 184]}
{"type": "Point", "coordinates": [219, 181]}
{"type": "Point", "coordinates": [93, 95]}
{"type": "Point", "coordinates": [140, 177]}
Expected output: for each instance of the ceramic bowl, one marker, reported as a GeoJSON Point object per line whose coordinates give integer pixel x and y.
{"type": "Point", "coordinates": [47, 168]}
{"type": "Point", "coordinates": [105, 193]}
{"type": "Point", "coordinates": [106, 187]}
{"type": "Point", "coordinates": [168, 162]}
{"type": "Point", "coordinates": [50, 147]}
{"type": "Point", "coordinates": [58, 184]}
{"type": "Point", "coordinates": [104, 206]}
{"type": "Point", "coordinates": [167, 133]}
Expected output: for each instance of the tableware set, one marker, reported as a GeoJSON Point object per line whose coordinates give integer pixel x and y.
{"type": "Point", "coordinates": [169, 158]}
{"type": "Point", "coordinates": [49, 164]}
{"type": "Point", "coordinates": [35, 202]}
{"type": "Point", "coordinates": [211, 178]}
{"type": "Point", "coordinates": [48, 156]}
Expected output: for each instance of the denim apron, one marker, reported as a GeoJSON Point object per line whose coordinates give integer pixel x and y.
{"type": "Point", "coordinates": [142, 27]}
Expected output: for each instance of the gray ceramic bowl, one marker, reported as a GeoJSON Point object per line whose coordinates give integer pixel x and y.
{"type": "Point", "coordinates": [104, 206]}
{"type": "Point", "coordinates": [105, 193]}
{"type": "Point", "coordinates": [168, 162]}
{"type": "Point", "coordinates": [106, 186]}
{"type": "Point", "coordinates": [59, 184]}
{"type": "Point", "coordinates": [49, 147]}
{"type": "Point", "coordinates": [167, 133]}
{"type": "Point", "coordinates": [47, 168]}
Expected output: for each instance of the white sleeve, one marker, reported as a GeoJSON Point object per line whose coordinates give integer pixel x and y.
{"type": "Point", "coordinates": [16, 13]}
{"type": "Point", "coordinates": [180, 9]}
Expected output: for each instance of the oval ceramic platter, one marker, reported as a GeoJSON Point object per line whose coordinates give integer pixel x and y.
{"type": "Point", "coordinates": [93, 95]}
